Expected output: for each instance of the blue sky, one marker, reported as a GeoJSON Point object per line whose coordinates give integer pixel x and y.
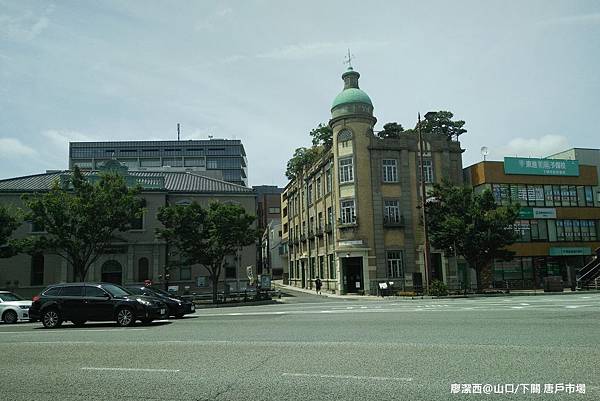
{"type": "Point", "coordinates": [522, 74]}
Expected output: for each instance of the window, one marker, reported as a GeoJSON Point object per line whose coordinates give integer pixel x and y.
{"type": "Point", "coordinates": [329, 215]}
{"type": "Point", "coordinates": [72, 291]}
{"type": "Point", "coordinates": [321, 266]}
{"type": "Point", "coordinates": [394, 263]}
{"type": "Point", "coordinates": [211, 164]}
{"type": "Point", "coordinates": [143, 271]}
{"type": "Point", "coordinates": [328, 181]}
{"type": "Point", "coordinates": [589, 196]}
{"type": "Point", "coordinates": [347, 212]}
{"type": "Point", "coordinates": [230, 272]}
{"type": "Point", "coordinates": [523, 229]}
{"type": "Point", "coordinates": [52, 292]}
{"type": "Point", "coordinates": [274, 210]}
{"type": "Point", "coordinates": [137, 223]}
{"type": "Point", "coordinates": [549, 195]}
{"type": "Point", "coordinates": [346, 171]}
{"type": "Point", "coordinates": [593, 227]}
{"type": "Point", "coordinates": [185, 273]}
{"type": "Point", "coordinates": [391, 211]}
{"type": "Point", "coordinates": [390, 170]}
{"type": "Point", "coordinates": [94, 292]}
{"type": "Point", "coordinates": [37, 269]}
{"type": "Point", "coordinates": [427, 170]}
{"type": "Point", "coordinates": [539, 230]}
{"type": "Point", "coordinates": [319, 188]}
{"type": "Point", "coordinates": [332, 272]}
{"type": "Point", "coordinates": [310, 194]}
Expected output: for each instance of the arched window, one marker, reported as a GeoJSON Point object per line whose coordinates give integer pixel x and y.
{"type": "Point", "coordinates": [37, 269]}
{"type": "Point", "coordinates": [112, 272]}
{"type": "Point", "coordinates": [143, 270]}
{"type": "Point", "coordinates": [344, 135]}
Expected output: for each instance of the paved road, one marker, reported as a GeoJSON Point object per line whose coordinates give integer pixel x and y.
{"type": "Point", "coordinates": [313, 348]}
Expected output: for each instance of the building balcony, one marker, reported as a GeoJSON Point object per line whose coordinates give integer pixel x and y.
{"type": "Point", "coordinates": [393, 221]}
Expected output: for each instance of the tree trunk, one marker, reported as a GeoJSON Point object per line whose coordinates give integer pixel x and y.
{"type": "Point", "coordinates": [484, 277]}
{"type": "Point", "coordinates": [215, 282]}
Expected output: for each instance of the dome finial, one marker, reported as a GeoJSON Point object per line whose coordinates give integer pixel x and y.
{"type": "Point", "coordinates": [349, 60]}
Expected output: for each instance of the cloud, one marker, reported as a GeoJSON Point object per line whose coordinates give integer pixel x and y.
{"type": "Point", "coordinates": [542, 146]}
{"type": "Point", "coordinates": [309, 50]}
{"type": "Point", "coordinates": [62, 138]}
{"type": "Point", "coordinates": [210, 22]}
{"type": "Point", "coordinates": [13, 148]}
{"type": "Point", "coordinates": [574, 19]}
{"type": "Point", "coordinates": [25, 27]}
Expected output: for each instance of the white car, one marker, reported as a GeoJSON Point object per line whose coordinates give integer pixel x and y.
{"type": "Point", "coordinates": [13, 308]}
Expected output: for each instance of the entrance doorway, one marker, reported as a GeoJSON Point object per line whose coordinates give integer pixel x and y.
{"type": "Point", "coordinates": [436, 267]}
{"type": "Point", "coordinates": [112, 272]}
{"type": "Point", "coordinates": [303, 270]}
{"type": "Point", "coordinates": [352, 274]}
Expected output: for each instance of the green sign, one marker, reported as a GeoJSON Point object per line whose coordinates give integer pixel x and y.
{"type": "Point", "coordinates": [570, 251]}
{"type": "Point", "coordinates": [529, 166]}
{"type": "Point", "coordinates": [537, 213]}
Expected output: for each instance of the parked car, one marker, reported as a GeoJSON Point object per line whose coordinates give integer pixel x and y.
{"type": "Point", "coordinates": [13, 308]}
{"type": "Point", "coordinates": [82, 302]}
{"type": "Point", "coordinates": [177, 307]}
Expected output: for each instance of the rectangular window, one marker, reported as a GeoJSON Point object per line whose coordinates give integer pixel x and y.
{"type": "Point", "coordinates": [328, 181]}
{"type": "Point", "coordinates": [523, 228]}
{"type": "Point", "coordinates": [319, 188]}
{"type": "Point", "coordinates": [346, 170]}
{"type": "Point", "coordinates": [514, 193]}
{"type": "Point", "coordinates": [539, 230]}
{"type": "Point", "coordinates": [589, 196]}
{"type": "Point", "coordinates": [548, 195]}
{"type": "Point", "coordinates": [568, 225]}
{"type": "Point", "coordinates": [593, 227]}
{"type": "Point", "coordinates": [150, 162]}
{"type": "Point", "coordinates": [560, 230]}
{"type": "Point", "coordinates": [391, 211]}
{"type": "Point", "coordinates": [394, 263]}
{"type": "Point", "coordinates": [321, 266]}
{"type": "Point", "coordinates": [585, 230]}
{"type": "Point", "coordinates": [137, 223]}
{"type": "Point", "coordinates": [310, 194]}
{"type": "Point", "coordinates": [332, 274]}
{"type": "Point", "coordinates": [576, 231]}
{"type": "Point", "coordinates": [522, 195]}
{"type": "Point", "coordinates": [211, 164]}
{"type": "Point", "coordinates": [185, 273]}
{"type": "Point", "coordinates": [329, 215]}
{"type": "Point", "coordinates": [274, 210]}
{"type": "Point", "coordinates": [427, 170]}
{"type": "Point", "coordinates": [564, 194]}
{"type": "Point", "coordinates": [347, 212]}
{"type": "Point", "coordinates": [390, 170]}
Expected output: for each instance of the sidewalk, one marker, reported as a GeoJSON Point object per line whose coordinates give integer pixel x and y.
{"type": "Point", "coordinates": [515, 293]}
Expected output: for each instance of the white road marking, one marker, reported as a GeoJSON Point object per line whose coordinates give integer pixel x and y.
{"type": "Point", "coordinates": [52, 342]}
{"type": "Point", "coordinates": [380, 378]}
{"type": "Point", "coordinates": [132, 369]}
{"type": "Point", "coordinates": [70, 330]}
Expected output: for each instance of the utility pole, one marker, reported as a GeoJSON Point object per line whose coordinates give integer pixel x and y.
{"type": "Point", "coordinates": [426, 255]}
{"type": "Point", "coordinates": [178, 132]}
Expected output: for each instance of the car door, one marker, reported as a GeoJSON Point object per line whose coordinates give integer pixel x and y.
{"type": "Point", "coordinates": [98, 304]}
{"type": "Point", "coordinates": [71, 302]}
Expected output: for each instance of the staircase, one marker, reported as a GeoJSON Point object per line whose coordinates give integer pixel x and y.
{"type": "Point", "coordinates": [589, 274]}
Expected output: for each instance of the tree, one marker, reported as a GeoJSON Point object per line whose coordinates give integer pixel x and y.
{"type": "Point", "coordinates": [302, 158]}
{"type": "Point", "coordinates": [391, 130]}
{"type": "Point", "coordinates": [440, 122]}
{"type": "Point", "coordinates": [471, 225]}
{"type": "Point", "coordinates": [206, 236]}
{"type": "Point", "coordinates": [322, 136]}
{"type": "Point", "coordinates": [81, 219]}
{"type": "Point", "coordinates": [9, 221]}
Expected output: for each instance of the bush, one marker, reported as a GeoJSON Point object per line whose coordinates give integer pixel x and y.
{"type": "Point", "coordinates": [438, 288]}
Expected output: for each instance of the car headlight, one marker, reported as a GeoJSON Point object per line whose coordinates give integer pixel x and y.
{"type": "Point", "coordinates": [144, 302]}
{"type": "Point", "coordinates": [23, 306]}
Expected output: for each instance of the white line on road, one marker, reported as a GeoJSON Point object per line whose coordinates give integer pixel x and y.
{"type": "Point", "coordinates": [132, 369]}
{"type": "Point", "coordinates": [52, 342]}
{"type": "Point", "coordinates": [404, 379]}
{"type": "Point", "coordinates": [60, 331]}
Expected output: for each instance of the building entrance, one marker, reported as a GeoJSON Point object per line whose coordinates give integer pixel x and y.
{"type": "Point", "coordinates": [112, 272]}
{"type": "Point", "coordinates": [352, 273]}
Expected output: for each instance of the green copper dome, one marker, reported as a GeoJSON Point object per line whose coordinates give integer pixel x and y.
{"type": "Point", "coordinates": [351, 95]}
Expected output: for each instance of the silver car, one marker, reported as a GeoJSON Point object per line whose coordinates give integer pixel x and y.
{"type": "Point", "coordinates": [13, 308]}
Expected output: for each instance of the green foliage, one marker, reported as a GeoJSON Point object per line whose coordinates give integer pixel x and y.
{"type": "Point", "coordinates": [81, 219]}
{"type": "Point", "coordinates": [438, 289]}
{"type": "Point", "coordinates": [440, 122]}
{"type": "Point", "coordinates": [302, 158]}
{"type": "Point", "coordinates": [206, 236]}
{"type": "Point", "coordinates": [391, 130]}
{"type": "Point", "coordinates": [322, 136]}
{"type": "Point", "coordinates": [9, 221]}
{"type": "Point", "coordinates": [471, 224]}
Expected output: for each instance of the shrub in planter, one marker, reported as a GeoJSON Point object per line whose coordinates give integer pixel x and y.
{"type": "Point", "coordinates": [438, 288]}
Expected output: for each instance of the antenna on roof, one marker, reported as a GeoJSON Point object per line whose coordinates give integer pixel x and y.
{"type": "Point", "coordinates": [178, 133]}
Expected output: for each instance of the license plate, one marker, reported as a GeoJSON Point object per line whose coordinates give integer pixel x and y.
{"type": "Point", "coordinates": [162, 311]}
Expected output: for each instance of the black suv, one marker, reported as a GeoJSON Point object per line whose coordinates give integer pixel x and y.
{"type": "Point", "coordinates": [80, 302]}
{"type": "Point", "coordinates": [177, 307]}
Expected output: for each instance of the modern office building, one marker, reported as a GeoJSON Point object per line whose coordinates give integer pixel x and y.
{"type": "Point", "coordinates": [587, 156]}
{"type": "Point", "coordinates": [559, 220]}
{"type": "Point", "coordinates": [352, 218]}
{"type": "Point", "coordinates": [223, 159]}
{"type": "Point", "coordinates": [142, 255]}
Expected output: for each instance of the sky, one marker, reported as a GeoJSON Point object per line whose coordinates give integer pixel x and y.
{"type": "Point", "coordinates": [523, 75]}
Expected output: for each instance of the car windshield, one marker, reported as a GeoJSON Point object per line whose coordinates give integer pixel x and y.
{"type": "Point", "coordinates": [135, 290]}
{"type": "Point", "coordinates": [116, 291]}
{"type": "Point", "coordinates": [9, 296]}
{"type": "Point", "coordinates": [161, 292]}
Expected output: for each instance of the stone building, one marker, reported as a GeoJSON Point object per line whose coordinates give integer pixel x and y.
{"type": "Point", "coordinates": [143, 256]}
{"type": "Point", "coordinates": [352, 218]}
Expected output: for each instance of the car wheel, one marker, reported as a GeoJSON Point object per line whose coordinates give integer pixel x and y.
{"type": "Point", "coordinates": [125, 317]}
{"type": "Point", "coordinates": [78, 323]}
{"type": "Point", "coordinates": [10, 317]}
{"type": "Point", "coordinates": [51, 319]}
